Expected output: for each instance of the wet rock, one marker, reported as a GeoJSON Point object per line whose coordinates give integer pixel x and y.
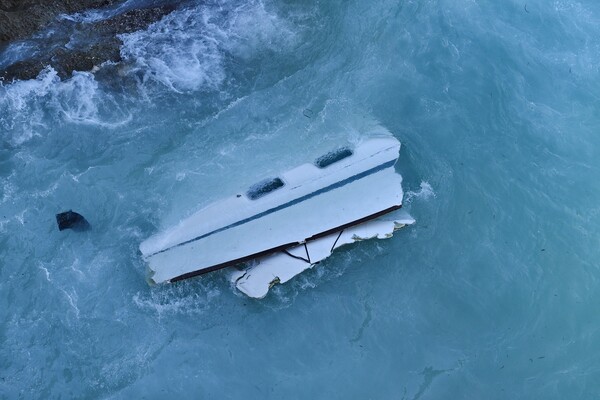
{"type": "Point", "coordinates": [65, 62]}
{"type": "Point", "coordinates": [22, 70]}
{"type": "Point", "coordinates": [21, 18]}
{"type": "Point", "coordinates": [132, 21]}
{"type": "Point", "coordinates": [95, 43]}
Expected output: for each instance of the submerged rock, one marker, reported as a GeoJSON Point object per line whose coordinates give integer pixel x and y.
{"type": "Point", "coordinates": [85, 46]}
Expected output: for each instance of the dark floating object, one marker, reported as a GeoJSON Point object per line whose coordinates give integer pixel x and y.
{"type": "Point", "coordinates": [72, 220]}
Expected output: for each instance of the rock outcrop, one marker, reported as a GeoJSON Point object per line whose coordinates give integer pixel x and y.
{"type": "Point", "coordinates": [96, 42]}
{"type": "Point", "coordinates": [21, 18]}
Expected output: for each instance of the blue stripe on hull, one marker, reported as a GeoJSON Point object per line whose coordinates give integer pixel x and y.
{"type": "Point", "coordinates": [288, 204]}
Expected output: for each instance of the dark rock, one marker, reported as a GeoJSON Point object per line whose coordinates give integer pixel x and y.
{"type": "Point", "coordinates": [65, 62]}
{"type": "Point", "coordinates": [98, 43]}
{"type": "Point", "coordinates": [22, 70]}
{"type": "Point", "coordinates": [22, 18]}
{"type": "Point", "coordinates": [132, 21]}
{"type": "Point", "coordinates": [72, 220]}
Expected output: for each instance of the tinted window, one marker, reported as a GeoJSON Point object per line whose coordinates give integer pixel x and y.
{"type": "Point", "coordinates": [264, 187]}
{"type": "Point", "coordinates": [333, 157]}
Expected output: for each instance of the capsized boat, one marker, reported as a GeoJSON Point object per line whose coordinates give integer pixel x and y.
{"type": "Point", "coordinates": [287, 223]}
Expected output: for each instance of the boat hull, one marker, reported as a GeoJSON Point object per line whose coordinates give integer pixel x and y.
{"type": "Point", "coordinates": [313, 203]}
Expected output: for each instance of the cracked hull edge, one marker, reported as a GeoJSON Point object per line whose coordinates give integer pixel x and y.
{"type": "Point", "coordinates": [256, 280]}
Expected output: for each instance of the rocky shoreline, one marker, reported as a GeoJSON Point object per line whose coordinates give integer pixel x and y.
{"type": "Point", "coordinates": [19, 19]}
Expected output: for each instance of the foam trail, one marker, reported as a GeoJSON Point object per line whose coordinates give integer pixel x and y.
{"type": "Point", "coordinates": [27, 107]}
{"type": "Point", "coordinates": [425, 192]}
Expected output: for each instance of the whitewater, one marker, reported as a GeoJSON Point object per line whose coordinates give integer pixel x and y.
{"type": "Point", "coordinates": [492, 294]}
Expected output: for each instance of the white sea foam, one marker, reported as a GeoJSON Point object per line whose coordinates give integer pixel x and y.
{"type": "Point", "coordinates": [21, 216]}
{"type": "Point", "coordinates": [175, 300]}
{"type": "Point", "coordinates": [8, 188]}
{"type": "Point", "coordinates": [255, 27]}
{"type": "Point", "coordinates": [16, 51]}
{"type": "Point", "coordinates": [72, 299]}
{"type": "Point", "coordinates": [27, 106]}
{"type": "Point", "coordinates": [46, 272]}
{"type": "Point", "coordinates": [186, 50]}
{"type": "Point", "coordinates": [425, 192]}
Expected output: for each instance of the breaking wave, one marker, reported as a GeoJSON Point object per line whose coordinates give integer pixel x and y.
{"type": "Point", "coordinates": [188, 49]}
{"type": "Point", "coordinates": [28, 108]}
{"type": "Point", "coordinates": [198, 48]}
{"type": "Point", "coordinates": [425, 192]}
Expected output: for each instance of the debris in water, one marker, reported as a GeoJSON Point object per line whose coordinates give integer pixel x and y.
{"type": "Point", "coordinates": [72, 220]}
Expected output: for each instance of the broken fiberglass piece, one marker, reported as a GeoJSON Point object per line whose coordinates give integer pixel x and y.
{"type": "Point", "coordinates": [255, 280]}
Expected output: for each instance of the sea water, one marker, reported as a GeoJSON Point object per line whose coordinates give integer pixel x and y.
{"type": "Point", "coordinates": [493, 294]}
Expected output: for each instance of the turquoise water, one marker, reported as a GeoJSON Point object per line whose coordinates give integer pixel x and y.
{"type": "Point", "coordinates": [493, 294]}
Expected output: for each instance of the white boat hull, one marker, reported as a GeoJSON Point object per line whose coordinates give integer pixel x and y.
{"type": "Point", "coordinates": [313, 203]}
{"type": "Point", "coordinates": [256, 279]}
